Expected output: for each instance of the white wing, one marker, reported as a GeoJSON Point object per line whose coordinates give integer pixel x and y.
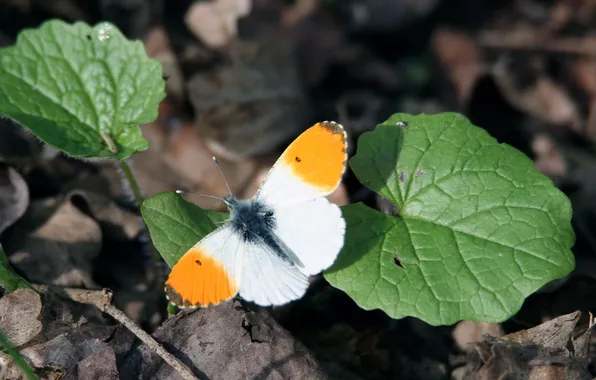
{"type": "Point", "coordinates": [313, 230]}
{"type": "Point", "coordinates": [268, 280]}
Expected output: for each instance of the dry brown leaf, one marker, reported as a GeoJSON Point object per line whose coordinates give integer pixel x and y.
{"type": "Point", "coordinates": [544, 99]}
{"type": "Point", "coordinates": [461, 59]}
{"type": "Point", "coordinates": [549, 159]}
{"type": "Point", "coordinates": [215, 22]}
{"type": "Point", "coordinates": [58, 249]}
{"type": "Point", "coordinates": [117, 222]}
{"type": "Point", "coordinates": [14, 196]}
{"type": "Point", "coordinates": [74, 342]}
{"type": "Point", "coordinates": [157, 45]}
{"type": "Point", "coordinates": [20, 314]}
{"type": "Point", "coordinates": [467, 332]}
{"type": "Point", "coordinates": [188, 155]}
{"type": "Point", "coordinates": [253, 104]}
{"type": "Point", "coordinates": [226, 342]}
{"type": "Point", "coordinates": [548, 351]}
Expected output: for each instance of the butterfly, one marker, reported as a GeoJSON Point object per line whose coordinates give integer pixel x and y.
{"type": "Point", "coordinates": [272, 242]}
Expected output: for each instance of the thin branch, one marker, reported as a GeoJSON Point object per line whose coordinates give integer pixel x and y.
{"type": "Point", "coordinates": [102, 299]}
{"type": "Point", "coordinates": [518, 41]}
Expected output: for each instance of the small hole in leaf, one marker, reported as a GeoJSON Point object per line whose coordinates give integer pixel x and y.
{"type": "Point", "coordinates": [397, 262]}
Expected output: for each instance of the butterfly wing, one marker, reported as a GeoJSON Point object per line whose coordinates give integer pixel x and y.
{"type": "Point", "coordinates": [208, 273]}
{"type": "Point", "coordinates": [311, 167]}
{"type": "Point", "coordinates": [269, 280]}
{"type": "Point", "coordinates": [313, 230]}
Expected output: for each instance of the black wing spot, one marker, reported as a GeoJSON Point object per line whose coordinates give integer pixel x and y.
{"type": "Point", "coordinates": [298, 159]}
{"type": "Point", "coordinates": [198, 262]}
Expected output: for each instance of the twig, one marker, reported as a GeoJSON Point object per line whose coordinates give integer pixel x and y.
{"type": "Point", "coordinates": [565, 45]}
{"type": "Point", "coordinates": [102, 299]}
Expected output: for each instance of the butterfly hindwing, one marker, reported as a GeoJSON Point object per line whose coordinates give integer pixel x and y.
{"type": "Point", "coordinates": [313, 230]}
{"type": "Point", "coordinates": [269, 280]}
{"type": "Point", "coordinates": [311, 167]}
{"type": "Point", "coordinates": [209, 272]}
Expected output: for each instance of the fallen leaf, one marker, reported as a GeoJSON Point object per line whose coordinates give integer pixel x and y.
{"type": "Point", "coordinates": [215, 22]}
{"type": "Point", "coordinates": [225, 342]}
{"type": "Point", "coordinates": [14, 196]}
{"type": "Point", "coordinates": [540, 96]}
{"type": "Point", "coordinates": [547, 351]}
{"type": "Point", "coordinates": [466, 333]}
{"type": "Point", "coordinates": [252, 104]}
{"type": "Point", "coordinates": [117, 223]}
{"type": "Point", "coordinates": [461, 59]}
{"type": "Point", "coordinates": [55, 243]}
{"type": "Point", "coordinates": [20, 314]}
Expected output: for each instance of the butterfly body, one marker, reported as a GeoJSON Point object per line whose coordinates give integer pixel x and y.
{"type": "Point", "coordinates": [255, 222]}
{"type": "Point", "coordinates": [274, 241]}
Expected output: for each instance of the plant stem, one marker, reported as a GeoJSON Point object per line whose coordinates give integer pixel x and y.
{"type": "Point", "coordinates": [132, 181]}
{"type": "Point", "coordinates": [9, 280]}
{"type": "Point", "coordinates": [136, 191]}
{"type": "Point", "coordinates": [17, 358]}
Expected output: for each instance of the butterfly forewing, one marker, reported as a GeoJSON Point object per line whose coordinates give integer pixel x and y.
{"type": "Point", "coordinates": [311, 167]}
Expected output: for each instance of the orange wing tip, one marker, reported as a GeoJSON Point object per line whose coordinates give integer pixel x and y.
{"type": "Point", "coordinates": [333, 127]}
{"type": "Point", "coordinates": [198, 280]}
{"type": "Point", "coordinates": [176, 299]}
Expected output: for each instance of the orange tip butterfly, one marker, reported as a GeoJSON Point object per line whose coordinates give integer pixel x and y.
{"type": "Point", "coordinates": [274, 241]}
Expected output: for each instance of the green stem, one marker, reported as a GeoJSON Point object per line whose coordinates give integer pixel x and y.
{"type": "Point", "coordinates": [132, 181]}
{"type": "Point", "coordinates": [17, 358]}
{"type": "Point", "coordinates": [9, 280]}
{"type": "Point", "coordinates": [136, 191]}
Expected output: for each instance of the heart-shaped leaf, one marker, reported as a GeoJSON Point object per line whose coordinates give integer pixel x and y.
{"type": "Point", "coordinates": [83, 90]}
{"type": "Point", "coordinates": [176, 225]}
{"type": "Point", "coordinates": [477, 230]}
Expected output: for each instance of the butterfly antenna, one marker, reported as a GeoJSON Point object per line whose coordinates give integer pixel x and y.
{"type": "Point", "coordinates": [222, 175]}
{"type": "Point", "coordinates": [201, 194]}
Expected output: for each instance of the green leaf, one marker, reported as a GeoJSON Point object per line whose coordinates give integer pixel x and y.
{"type": "Point", "coordinates": [477, 230]}
{"type": "Point", "coordinates": [9, 280]}
{"type": "Point", "coordinates": [17, 357]}
{"type": "Point", "coordinates": [175, 225]}
{"type": "Point", "coordinates": [83, 90]}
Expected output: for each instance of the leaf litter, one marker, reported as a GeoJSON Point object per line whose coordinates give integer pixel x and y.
{"type": "Point", "coordinates": [522, 72]}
